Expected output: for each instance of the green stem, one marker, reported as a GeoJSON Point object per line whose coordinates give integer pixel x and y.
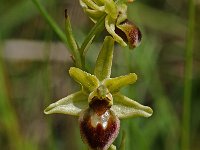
{"type": "Point", "coordinates": [59, 32]}
{"type": "Point", "coordinates": [50, 21]}
{"type": "Point", "coordinates": [188, 78]}
{"type": "Point", "coordinates": [98, 27]}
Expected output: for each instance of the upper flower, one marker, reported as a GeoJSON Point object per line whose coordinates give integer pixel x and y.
{"type": "Point", "coordinates": [99, 103]}
{"type": "Point", "coordinates": [122, 30]}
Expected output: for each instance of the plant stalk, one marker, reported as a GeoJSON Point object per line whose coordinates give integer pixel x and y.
{"type": "Point", "coordinates": [185, 141]}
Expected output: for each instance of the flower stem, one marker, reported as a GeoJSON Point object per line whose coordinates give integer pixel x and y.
{"type": "Point", "coordinates": [60, 33]}
{"type": "Point", "coordinates": [185, 145]}
{"type": "Point", "coordinates": [50, 21]}
{"type": "Point", "coordinates": [98, 27]}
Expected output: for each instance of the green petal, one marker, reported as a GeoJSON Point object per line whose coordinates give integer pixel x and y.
{"type": "Point", "coordinates": [125, 107]}
{"type": "Point", "coordinates": [89, 82]}
{"type": "Point", "coordinates": [110, 27]}
{"type": "Point", "coordinates": [115, 84]}
{"type": "Point", "coordinates": [72, 104]}
{"type": "Point", "coordinates": [104, 61]}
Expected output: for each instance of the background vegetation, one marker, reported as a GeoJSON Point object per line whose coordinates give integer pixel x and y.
{"type": "Point", "coordinates": [30, 83]}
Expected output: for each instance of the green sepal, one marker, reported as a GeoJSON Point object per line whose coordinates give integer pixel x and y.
{"type": "Point", "coordinates": [104, 61]}
{"type": "Point", "coordinates": [89, 82]}
{"type": "Point", "coordinates": [99, 2]}
{"type": "Point", "coordinates": [115, 84]}
{"type": "Point", "coordinates": [123, 15]}
{"type": "Point", "coordinates": [111, 8]}
{"type": "Point", "coordinates": [92, 5]}
{"type": "Point", "coordinates": [72, 104]}
{"type": "Point", "coordinates": [94, 14]}
{"type": "Point", "coordinates": [125, 107]}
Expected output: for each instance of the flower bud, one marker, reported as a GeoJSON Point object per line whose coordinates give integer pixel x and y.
{"type": "Point", "coordinates": [129, 32]}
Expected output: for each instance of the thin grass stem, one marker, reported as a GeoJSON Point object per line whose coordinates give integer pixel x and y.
{"type": "Point", "coordinates": [59, 32]}
{"type": "Point", "coordinates": [185, 143]}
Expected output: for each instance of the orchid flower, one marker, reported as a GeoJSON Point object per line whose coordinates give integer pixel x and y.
{"type": "Point", "coordinates": [122, 30]}
{"type": "Point", "coordinates": [99, 104]}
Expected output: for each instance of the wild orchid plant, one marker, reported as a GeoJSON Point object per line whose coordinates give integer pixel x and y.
{"type": "Point", "coordinates": [99, 103]}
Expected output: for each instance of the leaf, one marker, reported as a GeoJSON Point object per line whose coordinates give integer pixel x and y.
{"type": "Point", "coordinates": [104, 61]}
{"type": "Point", "coordinates": [71, 41]}
{"type": "Point", "coordinates": [72, 104]}
{"type": "Point", "coordinates": [125, 107]}
{"type": "Point", "coordinates": [89, 82]}
{"type": "Point", "coordinates": [115, 84]}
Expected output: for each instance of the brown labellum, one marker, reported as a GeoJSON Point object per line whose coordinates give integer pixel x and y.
{"type": "Point", "coordinates": [99, 126]}
{"type": "Point", "coordinates": [130, 33]}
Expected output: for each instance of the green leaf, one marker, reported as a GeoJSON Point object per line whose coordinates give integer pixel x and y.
{"type": "Point", "coordinates": [89, 82]}
{"type": "Point", "coordinates": [125, 107]}
{"type": "Point", "coordinates": [72, 104]}
{"type": "Point", "coordinates": [104, 61]}
{"type": "Point", "coordinates": [115, 84]}
{"type": "Point", "coordinates": [72, 42]}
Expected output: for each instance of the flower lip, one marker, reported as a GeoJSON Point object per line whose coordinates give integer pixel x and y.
{"type": "Point", "coordinates": [98, 137]}
{"type": "Point", "coordinates": [129, 32]}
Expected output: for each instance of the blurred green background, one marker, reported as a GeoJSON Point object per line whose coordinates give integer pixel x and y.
{"type": "Point", "coordinates": [34, 73]}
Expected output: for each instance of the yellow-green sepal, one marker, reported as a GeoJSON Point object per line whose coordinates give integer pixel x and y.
{"type": "Point", "coordinates": [111, 8]}
{"type": "Point", "coordinates": [91, 4]}
{"type": "Point", "coordinates": [72, 104]}
{"type": "Point", "coordinates": [125, 107]}
{"type": "Point", "coordinates": [94, 14]}
{"type": "Point", "coordinates": [104, 61]}
{"type": "Point", "coordinates": [115, 84]}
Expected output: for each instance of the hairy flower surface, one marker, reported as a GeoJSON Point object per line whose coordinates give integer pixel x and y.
{"type": "Point", "coordinates": [116, 22]}
{"type": "Point", "coordinates": [99, 103]}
